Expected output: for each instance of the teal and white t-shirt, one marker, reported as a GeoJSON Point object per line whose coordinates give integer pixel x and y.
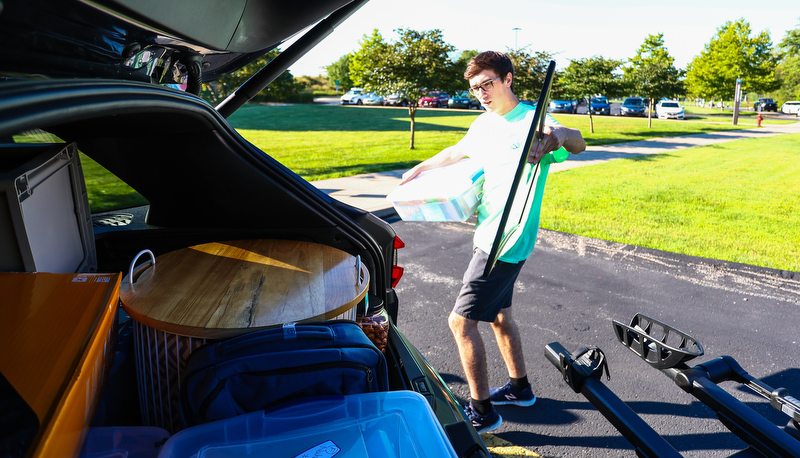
{"type": "Point", "coordinates": [497, 142]}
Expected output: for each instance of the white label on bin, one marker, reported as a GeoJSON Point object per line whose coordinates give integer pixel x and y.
{"type": "Point", "coordinates": [326, 449]}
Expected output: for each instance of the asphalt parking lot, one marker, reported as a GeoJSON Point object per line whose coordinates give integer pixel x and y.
{"type": "Point", "coordinates": [569, 292]}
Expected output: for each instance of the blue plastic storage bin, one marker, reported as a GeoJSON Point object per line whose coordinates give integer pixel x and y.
{"type": "Point", "coordinates": [376, 425]}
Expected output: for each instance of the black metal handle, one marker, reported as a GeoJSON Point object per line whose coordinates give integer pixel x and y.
{"type": "Point", "coordinates": [668, 348]}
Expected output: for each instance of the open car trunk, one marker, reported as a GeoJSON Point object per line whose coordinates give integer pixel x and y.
{"type": "Point", "coordinates": [202, 183]}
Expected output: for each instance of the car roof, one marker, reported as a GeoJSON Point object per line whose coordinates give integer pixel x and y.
{"type": "Point", "coordinates": [75, 38]}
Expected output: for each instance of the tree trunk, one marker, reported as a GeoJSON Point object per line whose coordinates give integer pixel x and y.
{"type": "Point", "coordinates": [589, 111]}
{"type": "Point", "coordinates": [650, 113]}
{"type": "Point", "coordinates": [412, 113]}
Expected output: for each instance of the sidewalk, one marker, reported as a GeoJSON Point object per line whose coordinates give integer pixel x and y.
{"type": "Point", "coordinates": [369, 191]}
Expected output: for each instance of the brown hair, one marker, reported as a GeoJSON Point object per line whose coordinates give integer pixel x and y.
{"type": "Point", "coordinates": [489, 60]}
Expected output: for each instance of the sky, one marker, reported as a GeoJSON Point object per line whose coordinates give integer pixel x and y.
{"type": "Point", "coordinates": [568, 29]}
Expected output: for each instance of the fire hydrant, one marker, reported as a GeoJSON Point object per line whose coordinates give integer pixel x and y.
{"type": "Point", "coordinates": [759, 118]}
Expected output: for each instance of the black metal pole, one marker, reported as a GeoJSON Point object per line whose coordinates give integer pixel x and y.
{"type": "Point", "coordinates": [763, 436]}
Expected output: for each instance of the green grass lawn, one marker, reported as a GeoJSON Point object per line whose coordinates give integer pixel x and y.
{"type": "Point", "coordinates": [737, 201]}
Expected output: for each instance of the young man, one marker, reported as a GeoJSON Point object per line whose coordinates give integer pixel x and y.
{"type": "Point", "coordinates": [495, 139]}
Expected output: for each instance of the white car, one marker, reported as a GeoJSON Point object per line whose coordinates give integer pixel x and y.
{"type": "Point", "coordinates": [667, 109]}
{"type": "Point", "coordinates": [396, 100]}
{"type": "Point", "coordinates": [352, 96]}
{"type": "Point", "coordinates": [792, 107]}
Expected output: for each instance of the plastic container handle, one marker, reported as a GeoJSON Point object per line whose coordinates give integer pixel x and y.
{"type": "Point", "coordinates": [136, 258]}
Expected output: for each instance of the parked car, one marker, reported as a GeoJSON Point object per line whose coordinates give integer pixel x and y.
{"type": "Point", "coordinates": [668, 109]}
{"type": "Point", "coordinates": [791, 107]}
{"type": "Point", "coordinates": [600, 105]}
{"type": "Point", "coordinates": [463, 100]}
{"type": "Point", "coordinates": [396, 100]}
{"type": "Point", "coordinates": [766, 104]}
{"type": "Point", "coordinates": [563, 106]}
{"type": "Point", "coordinates": [632, 106]}
{"type": "Point", "coordinates": [352, 96]}
{"type": "Point", "coordinates": [365, 98]}
{"type": "Point", "coordinates": [434, 99]}
{"type": "Point", "coordinates": [86, 88]}
{"type": "Point", "coordinates": [370, 98]}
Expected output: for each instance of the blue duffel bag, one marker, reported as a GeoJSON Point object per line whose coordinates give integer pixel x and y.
{"type": "Point", "coordinates": [264, 368]}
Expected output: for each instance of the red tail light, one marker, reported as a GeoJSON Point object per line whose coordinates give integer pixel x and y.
{"type": "Point", "coordinates": [397, 271]}
{"type": "Point", "coordinates": [397, 274]}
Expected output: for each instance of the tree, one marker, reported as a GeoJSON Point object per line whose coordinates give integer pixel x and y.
{"type": "Point", "coordinates": [788, 71]}
{"type": "Point", "coordinates": [730, 55]}
{"type": "Point", "coordinates": [340, 71]}
{"type": "Point", "coordinates": [591, 76]}
{"type": "Point", "coordinates": [414, 64]}
{"type": "Point", "coordinates": [529, 72]}
{"type": "Point", "coordinates": [652, 72]}
{"type": "Point", "coordinates": [283, 88]}
{"type": "Point", "coordinates": [366, 64]}
{"type": "Point", "coordinates": [457, 84]}
{"type": "Point", "coordinates": [464, 58]}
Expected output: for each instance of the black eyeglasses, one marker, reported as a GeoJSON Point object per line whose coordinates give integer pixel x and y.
{"type": "Point", "coordinates": [486, 86]}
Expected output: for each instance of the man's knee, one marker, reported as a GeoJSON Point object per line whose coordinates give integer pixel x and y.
{"type": "Point", "coordinates": [504, 321]}
{"type": "Point", "coordinates": [460, 325]}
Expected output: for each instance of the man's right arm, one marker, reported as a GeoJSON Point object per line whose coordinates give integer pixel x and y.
{"type": "Point", "coordinates": [447, 156]}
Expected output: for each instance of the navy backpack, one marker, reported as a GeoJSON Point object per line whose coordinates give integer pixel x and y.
{"type": "Point", "coordinates": [264, 368]}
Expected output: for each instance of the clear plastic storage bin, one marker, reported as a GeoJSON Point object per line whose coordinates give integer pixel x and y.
{"type": "Point", "coordinates": [376, 425]}
{"type": "Point", "coordinates": [449, 193]}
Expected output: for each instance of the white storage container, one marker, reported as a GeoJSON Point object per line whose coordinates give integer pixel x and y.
{"type": "Point", "coordinates": [449, 193]}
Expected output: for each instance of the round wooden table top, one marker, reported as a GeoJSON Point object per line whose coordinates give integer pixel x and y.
{"type": "Point", "coordinates": [222, 289]}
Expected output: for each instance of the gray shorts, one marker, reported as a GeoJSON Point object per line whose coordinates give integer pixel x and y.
{"type": "Point", "coordinates": [481, 298]}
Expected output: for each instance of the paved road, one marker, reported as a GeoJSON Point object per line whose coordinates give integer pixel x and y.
{"type": "Point", "coordinates": [569, 292]}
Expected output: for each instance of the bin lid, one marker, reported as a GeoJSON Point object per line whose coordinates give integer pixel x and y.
{"type": "Point", "coordinates": [440, 184]}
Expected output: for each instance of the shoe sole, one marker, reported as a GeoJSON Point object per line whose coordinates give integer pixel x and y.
{"type": "Point", "coordinates": [490, 428]}
{"type": "Point", "coordinates": [527, 403]}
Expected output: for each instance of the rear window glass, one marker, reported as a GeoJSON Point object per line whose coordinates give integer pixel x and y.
{"type": "Point", "coordinates": [104, 190]}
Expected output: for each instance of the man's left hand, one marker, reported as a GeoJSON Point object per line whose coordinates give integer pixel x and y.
{"type": "Point", "coordinates": [553, 138]}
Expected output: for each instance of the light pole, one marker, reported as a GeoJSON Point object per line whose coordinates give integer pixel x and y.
{"type": "Point", "coordinates": [516, 31]}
